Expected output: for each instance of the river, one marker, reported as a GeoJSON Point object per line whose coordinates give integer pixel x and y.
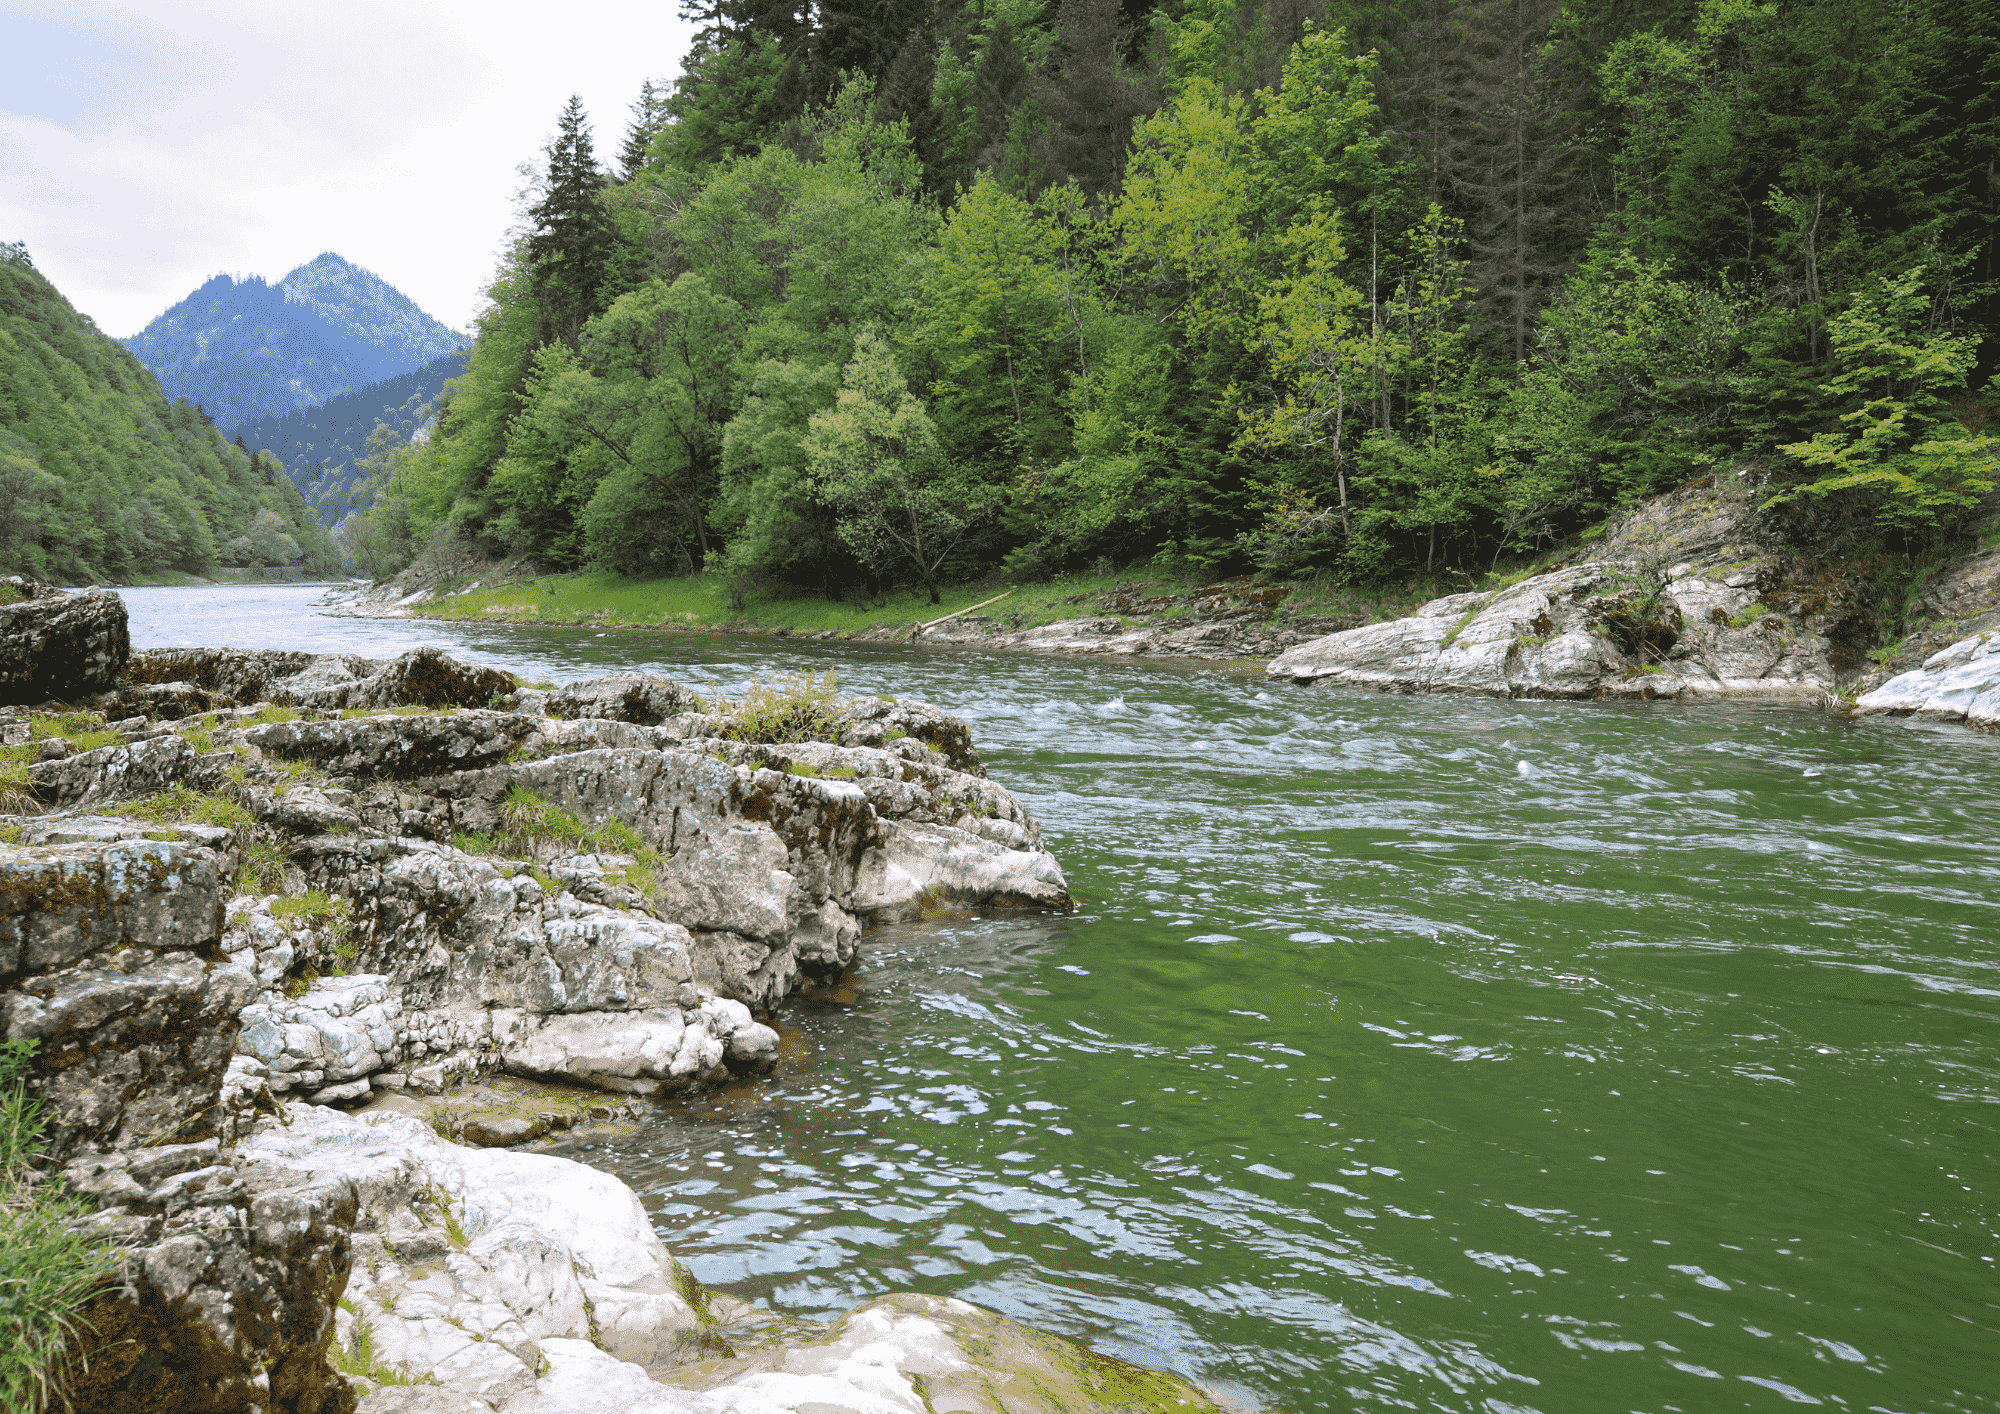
{"type": "Point", "coordinates": [1418, 1053]}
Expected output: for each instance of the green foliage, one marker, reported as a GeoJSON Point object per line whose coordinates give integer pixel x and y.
{"type": "Point", "coordinates": [47, 1271]}
{"type": "Point", "coordinates": [902, 300]}
{"type": "Point", "coordinates": [262, 870]}
{"type": "Point", "coordinates": [360, 1359]}
{"type": "Point", "coordinates": [180, 804]}
{"type": "Point", "coordinates": [1900, 445]}
{"type": "Point", "coordinates": [874, 457]}
{"type": "Point", "coordinates": [100, 476]}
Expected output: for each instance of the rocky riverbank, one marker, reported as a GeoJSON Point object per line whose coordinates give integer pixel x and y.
{"type": "Point", "coordinates": [303, 944]}
{"type": "Point", "coordinates": [1684, 599]}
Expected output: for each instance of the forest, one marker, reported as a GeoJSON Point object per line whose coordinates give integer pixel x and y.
{"type": "Point", "coordinates": [323, 446]}
{"type": "Point", "coordinates": [919, 292]}
{"type": "Point", "coordinates": [102, 479]}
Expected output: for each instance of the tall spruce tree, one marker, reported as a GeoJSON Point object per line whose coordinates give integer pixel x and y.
{"type": "Point", "coordinates": [569, 251]}
{"type": "Point", "coordinates": [649, 115]}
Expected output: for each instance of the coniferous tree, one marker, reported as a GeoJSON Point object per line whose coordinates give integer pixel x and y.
{"type": "Point", "coordinates": [569, 251]}
{"type": "Point", "coordinates": [649, 115]}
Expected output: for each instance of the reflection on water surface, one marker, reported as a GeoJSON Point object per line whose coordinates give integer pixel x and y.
{"type": "Point", "coordinates": [1422, 1053]}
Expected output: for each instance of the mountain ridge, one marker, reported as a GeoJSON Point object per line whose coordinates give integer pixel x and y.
{"type": "Point", "coordinates": [247, 348]}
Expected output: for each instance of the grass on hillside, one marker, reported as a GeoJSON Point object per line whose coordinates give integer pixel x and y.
{"type": "Point", "coordinates": [699, 602]}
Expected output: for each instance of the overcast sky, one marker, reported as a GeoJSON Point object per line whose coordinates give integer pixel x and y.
{"type": "Point", "coordinates": [146, 146]}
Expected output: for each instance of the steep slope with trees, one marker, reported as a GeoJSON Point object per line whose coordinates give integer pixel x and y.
{"type": "Point", "coordinates": [322, 447]}
{"type": "Point", "coordinates": [102, 478]}
{"type": "Point", "coordinates": [1296, 285]}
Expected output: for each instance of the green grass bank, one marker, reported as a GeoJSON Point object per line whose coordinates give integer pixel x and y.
{"type": "Point", "coordinates": [702, 603]}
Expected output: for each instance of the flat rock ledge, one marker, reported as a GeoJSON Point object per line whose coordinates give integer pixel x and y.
{"type": "Point", "coordinates": [282, 937]}
{"type": "Point", "coordinates": [1960, 683]}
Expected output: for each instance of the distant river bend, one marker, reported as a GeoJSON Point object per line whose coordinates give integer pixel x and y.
{"type": "Point", "coordinates": [1432, 1053]}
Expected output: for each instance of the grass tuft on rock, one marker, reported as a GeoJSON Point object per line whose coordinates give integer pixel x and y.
{"type": "Point", "coordinates": [795, 707]}
{"type": "Point", "coordinates": [180, 805]}
{"type": "Point", "coordinates": [47, 1271]}
{"type": "Point", "coordinates": [312, 906]}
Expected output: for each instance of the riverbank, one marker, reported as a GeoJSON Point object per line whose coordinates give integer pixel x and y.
{"type": "Point", "coordinates": [259, 889]}
{"type": "Point", "coordinates": [1133, 614]}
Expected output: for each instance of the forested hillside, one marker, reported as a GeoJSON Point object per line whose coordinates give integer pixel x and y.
{"type": "Point", "coordinates": [913, 292]}
{"type": "Point", "coordinates": [102, 478]}
{"type": "Point", "coordinates": [244, 349]}
{"type": "Point", "coordinates": [322, 447]}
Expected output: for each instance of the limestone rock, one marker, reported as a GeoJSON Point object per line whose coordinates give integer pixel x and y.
{"type": "Point", "coordinates": [238, 674]}
{"type": "Point", "coordinates": [904, 1354]}
{"type": "Point", "coordinates": [1590, 630]}
{"type": "Point", "coordinates": [113, 772]}
{"type": "Point", "coordinates": [483, 1255]}
{"type": "Point", "coordinates": [1956, 684]}
{"type": "Point", "coordinates": [105, 954]}
{"type": "Point", "coordinates": [422, 677]}
{"type": "Point", "coordinates": [640, 698]}
{"type": "Point", "coordinates": [228, 1281]}
{"type": "Point", "coordinates": [395, 748]}
{"type": "Point", "coordinates": [57, 645]}
{"type": "Point", "coordinates": [164, 701]}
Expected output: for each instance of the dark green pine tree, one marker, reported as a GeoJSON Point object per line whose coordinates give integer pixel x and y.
{"type": "Point", "coordinates": [649, 115]}
{"type": "Point", "coordinates": [570, 248]}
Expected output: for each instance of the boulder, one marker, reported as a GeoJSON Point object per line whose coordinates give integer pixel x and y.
{"type": "Point", "coordinates": [228, 1275]}
{"type": "Point", "coordinates": [640, 698]}
{"type": "Point", "coordinates": [1956, 684]}
{"type": "Point", "coordinates": [59, 646]}
{"type": "Point", "coordinates": [107, 961]}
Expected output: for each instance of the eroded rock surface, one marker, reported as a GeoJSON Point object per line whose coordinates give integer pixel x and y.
{"type": "Point", "coordinates": [225, 1292]}
{"type": "Point", "coordinates": [172, 681]}
{"type": "Point", "coordinates": [1678, 600]}
{"type": "Point", "coordinates": [109, 962]}
{"type": "Point", "coordinates": [56, 645]}
{"type": "Point", "coordinates": [1956, 684]}
{"type": "Point", "coordinates": [603, 901]}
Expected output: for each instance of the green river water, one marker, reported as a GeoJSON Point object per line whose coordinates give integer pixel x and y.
{"type": "Point", "coordinates": [1417, 1053]}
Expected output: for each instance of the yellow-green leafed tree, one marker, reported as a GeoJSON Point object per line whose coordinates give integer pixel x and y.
{"type": "Point", "coordinates": [1322, 350]}
{"type": "Point", "coordinates": [874, 457]}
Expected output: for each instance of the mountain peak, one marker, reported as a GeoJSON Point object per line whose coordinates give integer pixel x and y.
{"type": "Point", "coordinates": [245, 349]}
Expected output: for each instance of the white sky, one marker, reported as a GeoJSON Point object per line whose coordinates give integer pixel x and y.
{"type": "Point", "coordinates": [146, 146]}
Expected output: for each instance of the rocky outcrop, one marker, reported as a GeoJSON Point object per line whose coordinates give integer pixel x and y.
{"type": "Point", "coordinates": [109, 962]}
{"type": "Point", "coordinates": [1679, 599]}
{"type": "Point", "coordinates": [602, 901]}
{"type": "Point", "coordinates": [528, 1284]}
{"type": "Point", "coordinates": [225, 1292]}
{"type": "Point", "coordinates": [177, 682]}
{"type": "Point", "coordinates": [593, 900]}
{"type": "Point", "coordinates": [59, 646]}
{"type": "Point", "coordinates": [1594, 630]}
{"type": "Point", "coordinates": [1956, 684]}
